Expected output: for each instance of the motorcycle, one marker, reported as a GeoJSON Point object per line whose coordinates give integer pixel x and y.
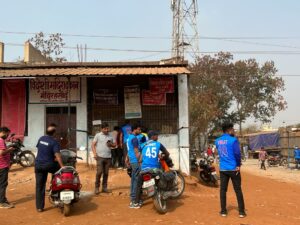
{"type": "Point", "coordinates": [18, 156]}
{"type": "Point", "coordinates": [162, 185]}
{"type": "Point", "coordinates": [193, 161]}
{"type": "Point", "coordinates": [207, 171]}
{"type": "Point", "coordinates": [65, 185]}
{"type": "Point", "coordinates": [276, 159]}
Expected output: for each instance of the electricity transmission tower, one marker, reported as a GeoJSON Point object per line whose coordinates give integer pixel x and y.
{"type": "Point", "coordinates": [185, 38]}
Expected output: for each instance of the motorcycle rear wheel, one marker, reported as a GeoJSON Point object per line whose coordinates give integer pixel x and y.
{"type": "Point", "coordinates": [67, 209]}
{"type": "Point", "coordinates": [27, 158]}
{"type": "Point", "coordinates": [180, 184]}
{"type": "Point", "coordinates": [159, 203]}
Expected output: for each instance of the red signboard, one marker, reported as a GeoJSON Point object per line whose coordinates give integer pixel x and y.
{"type": "Point", "coordinates": [162, 84]}
{"type": "Point", "coordinates": [153, 98]}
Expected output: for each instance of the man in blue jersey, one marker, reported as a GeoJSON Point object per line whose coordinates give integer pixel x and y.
{"type": "Point", "coordinates": [125, 132]}
{"type": "Point", "coordinates": [149, 159]}
{"type": "Point", "coordinates": [230, 162]}
{"type": "Point", "coordinates": [132, 160]}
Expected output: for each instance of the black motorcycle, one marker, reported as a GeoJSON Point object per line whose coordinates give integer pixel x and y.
{"type": "Point", "coordinates": [162, 185]}
{"type": "Point", "coordinates": [207, 171]}
{"type": "Point", "coordinates": [18, 156]}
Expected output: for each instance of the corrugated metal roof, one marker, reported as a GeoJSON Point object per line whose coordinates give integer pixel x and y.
{"type": "Point", "coordinates": [93, 71]}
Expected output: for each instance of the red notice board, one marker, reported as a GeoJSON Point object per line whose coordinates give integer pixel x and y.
{"type": "Point", "coordinates": [153, 98]}
{"type": "Point", "coordinates": [162, 84]}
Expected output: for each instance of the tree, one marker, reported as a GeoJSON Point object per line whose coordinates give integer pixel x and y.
{"type": "Point", "coordinates": [224, 90]}
{"type": "Point", "coordinates": [50, 46]}
{"type": "Point", "coordinates": [255, 90]}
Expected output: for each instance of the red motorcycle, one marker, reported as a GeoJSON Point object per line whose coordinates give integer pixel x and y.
{"type": "Point", "coordinates": [65, 185]}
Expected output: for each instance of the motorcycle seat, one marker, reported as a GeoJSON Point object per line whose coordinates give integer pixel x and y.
{"type": "Point", "coordinates": [66, 169]}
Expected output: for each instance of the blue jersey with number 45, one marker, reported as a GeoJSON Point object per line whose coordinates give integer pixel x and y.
{"type": "Point", "coordinates": [150, 153]}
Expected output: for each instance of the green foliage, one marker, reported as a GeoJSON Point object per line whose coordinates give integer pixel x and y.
{"type": "Point", "coordinates": [49, 45]}
{"type": "Point", "coordinates": [225, 90]}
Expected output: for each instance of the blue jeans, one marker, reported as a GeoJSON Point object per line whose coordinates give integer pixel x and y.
{"type": "Point", "coordinates": [134, 179]}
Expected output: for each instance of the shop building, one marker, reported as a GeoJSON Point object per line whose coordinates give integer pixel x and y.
{"type": "Point", "coordinates": [83, 95]}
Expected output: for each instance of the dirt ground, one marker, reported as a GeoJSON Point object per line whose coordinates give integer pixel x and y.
{"type": "Point", "coordinates": [268, 201]}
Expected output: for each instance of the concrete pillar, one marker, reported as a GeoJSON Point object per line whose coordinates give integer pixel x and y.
{"type": "Point", "coordinates": [183, 124]}
{"type": "Point", "coordinates": [33, 55]}
{"type": "Point", "coordinates": [1, 52]}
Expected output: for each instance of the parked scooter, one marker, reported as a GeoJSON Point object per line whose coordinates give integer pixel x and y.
{"type": "Point", "coordinates": [18, 156]}
{"type": "Point", "coordinates": [162, 185]}
{"type": "Point", "coordinates": [207, 171]}
{"type": "Point", "coordinates": [65, 185]}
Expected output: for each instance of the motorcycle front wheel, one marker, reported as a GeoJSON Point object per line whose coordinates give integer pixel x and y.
{"type": "Point", "coordinates": [159, 203]}
{"type": "Point", "coordinates": [27, 158]}
{"type": "Point", "coordinates": [204, 177]}
{"type": "Point", "coordinates": [67, 209]}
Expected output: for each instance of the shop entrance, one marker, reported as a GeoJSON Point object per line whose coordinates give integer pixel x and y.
{"type": "Point", "coordinates": [59, 116]}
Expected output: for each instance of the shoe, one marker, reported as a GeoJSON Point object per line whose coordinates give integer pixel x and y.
{"type": "Point", "coordinates": [131, 205]}
{"type": "Point", "coordinates": [223, 213]}
{"type": "Point", "coordinates": [105, 190]}
{"type": "Point", "coordinates": [97, 192]}
{"type": "Point", "coordinates": [40, 210]}
{"type": "Point", "coordinates": [242, 215]}
{"type": "Point", "coordinates": [136, 206]}
{"type": "Point", "coordinates": [6, 205]}
{"type": "Point", "coordinates": [141, 203]}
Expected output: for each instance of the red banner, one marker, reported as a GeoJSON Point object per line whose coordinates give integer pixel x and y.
{"type": "Point", "coordinates": [153, 98]}
{"type": "Point", "coordinates": [162, 84]}
{"type": "Point", "coordinates": [14, 106]}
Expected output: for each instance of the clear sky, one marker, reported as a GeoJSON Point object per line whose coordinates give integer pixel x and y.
{"type": "Point", "coordinates": [218, 18]}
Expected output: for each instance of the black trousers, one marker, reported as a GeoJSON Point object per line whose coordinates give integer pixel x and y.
{"type": "Point", "coordinates": [263, 165]}
{"type": "Point", "coordinates": [103, 165]}
{"type": "Point", "coordinates": [235, 177]}
{"type": "Point", "coordinates": [3, 184]}
{"type": "Point", "coordinates": [41, 175]}
{"type": "Point", "coordinates": [114, 157]}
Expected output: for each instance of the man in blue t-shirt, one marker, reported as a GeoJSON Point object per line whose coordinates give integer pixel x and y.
{"type": "Point", "coordinates": [126, 130]}
{"type": "Point", "coordinates": [297, 156]}
{"type": "Point", "coordinates": [48, 160]}
{"type": "Point", "coordinates": [132, 160]}
{"type": "Point", "coordinates": [149, 159]}
{"type": "Point", "coordinates": [230, 162]}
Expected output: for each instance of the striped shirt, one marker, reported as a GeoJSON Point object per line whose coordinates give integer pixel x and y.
{"type": "Point", "coordinates": [4, 159]}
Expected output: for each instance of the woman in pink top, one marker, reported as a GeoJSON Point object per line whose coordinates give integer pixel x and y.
{"type": "Point", "coordinates": [4, 167]}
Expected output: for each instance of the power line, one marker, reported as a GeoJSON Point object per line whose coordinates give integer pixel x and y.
{"type": "Point", "coordinates": [158, 37]}
{"type": "Point", "coordinates": [169, 51]}
{"type": "Point", "coordinates": [227, 39]}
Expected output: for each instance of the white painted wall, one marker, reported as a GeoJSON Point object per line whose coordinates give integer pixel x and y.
{"type": "Point", "coordinates": [37, 119]}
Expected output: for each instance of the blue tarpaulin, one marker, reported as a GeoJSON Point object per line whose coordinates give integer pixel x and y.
{"type": "Point", "coordinates": [268, 140]}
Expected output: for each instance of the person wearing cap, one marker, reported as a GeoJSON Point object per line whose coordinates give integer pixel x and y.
{"type": "Point", "coordinates": [149, 159]}
{"type": "Point", "coordinates": [262, 157]}
{"type": "Point", "coordinates": [230, 166]}
{"type": "Point", "coordinates": [297, 156]}
{"type": "Point", "coordinates": [48, 160]}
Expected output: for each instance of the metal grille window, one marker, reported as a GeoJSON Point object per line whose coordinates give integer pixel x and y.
{"type": "Point", "coordinates": [161, 118]}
